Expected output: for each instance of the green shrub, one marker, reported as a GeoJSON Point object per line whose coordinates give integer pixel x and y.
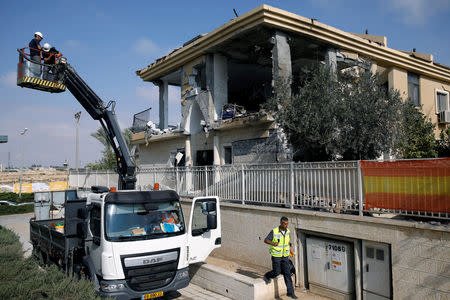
{"type": "Point", "coordinates": [11, 210]}
{"type": "Point", "coordinates": [22, 278]}
{"type": "Point", "coordinates": [10, 196]}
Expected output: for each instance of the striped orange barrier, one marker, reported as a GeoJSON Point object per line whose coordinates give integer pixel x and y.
{"type": "Point", "coordinates": [414, 185]}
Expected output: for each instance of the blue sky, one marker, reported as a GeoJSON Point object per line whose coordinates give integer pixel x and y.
{"type": "Point", "coordinates": [107, 41]}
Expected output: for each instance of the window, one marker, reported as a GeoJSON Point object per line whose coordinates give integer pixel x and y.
{"type": "Point", "coordinates": [204, 158]}
{"type": "Point", "coordinates": [413, 88]}
{"type": "Point", "coordinates": [227, 154]}
{"type": "Point", "coordinates": [95, 220]}
{"type": "Point", "coordinates": [200, 216]}
{"type": "Point", "coordinates": [380, 254]}
{"type": "Point", "coordinates": [180, 162]}
{"type": "Point", "coordinates": [441, 101]}
{"type": "Point", "coordinates": [125, 222]}
{"type": "Point", "coordinates": [370, 252]}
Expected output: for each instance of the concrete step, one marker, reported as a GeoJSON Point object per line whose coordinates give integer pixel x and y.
{"type": "Point", "coordinates": [234, 285]}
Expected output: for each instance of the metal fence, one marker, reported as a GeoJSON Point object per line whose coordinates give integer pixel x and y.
{"type": "Point", "coordinates": [327, 186]}
{"type": "Point", "coordinates": [140, 121]}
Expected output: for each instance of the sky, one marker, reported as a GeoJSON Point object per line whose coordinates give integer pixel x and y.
{"type": "Point", "coordinates": [107, 41]}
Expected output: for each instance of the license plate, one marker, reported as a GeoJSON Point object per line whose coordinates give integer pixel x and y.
{"type": "Point", "coordinates": [152, 295]}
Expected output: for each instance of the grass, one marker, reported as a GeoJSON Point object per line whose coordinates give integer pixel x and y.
{"type": "Point", "coordinates": [22, 278]}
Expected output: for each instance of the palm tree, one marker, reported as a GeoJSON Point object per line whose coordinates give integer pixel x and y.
{"type": "Point", "coordinates": [108, 161]}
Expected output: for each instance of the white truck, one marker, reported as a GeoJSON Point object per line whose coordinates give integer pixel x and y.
{"type": "Point", "coordinates": [131, 244]}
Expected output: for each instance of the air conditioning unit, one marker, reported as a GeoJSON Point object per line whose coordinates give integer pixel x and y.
{"type": "Point", "coordinates": [444, 116]}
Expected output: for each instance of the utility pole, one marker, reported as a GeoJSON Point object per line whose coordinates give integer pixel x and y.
{"type": "Point", "coordinates": [21, 166]}
{"type": "Point", "coordinates": [77, 118]}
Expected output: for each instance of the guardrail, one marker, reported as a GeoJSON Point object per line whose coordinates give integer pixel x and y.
{"type": "Point", "coordinates": [338, 187]}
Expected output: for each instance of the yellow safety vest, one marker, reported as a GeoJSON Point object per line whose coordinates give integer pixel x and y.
{"type": "Point", "coordinates": [282, 250]}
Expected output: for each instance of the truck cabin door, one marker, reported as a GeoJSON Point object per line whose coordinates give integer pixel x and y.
{"type": "Point", "coordinates": [204, 233]}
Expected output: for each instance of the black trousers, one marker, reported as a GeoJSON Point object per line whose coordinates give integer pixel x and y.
{"type": "Point", "coordinates": [280, 265]}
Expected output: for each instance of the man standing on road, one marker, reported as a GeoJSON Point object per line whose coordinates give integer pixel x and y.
{"type": "Point", "coordinates": [279, 241]}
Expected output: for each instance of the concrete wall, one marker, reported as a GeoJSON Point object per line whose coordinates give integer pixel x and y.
{"type": "Point", "coordinates": [428, 87]}
{"type": "Point", "coordinates": [420, 252]}
{"type": "Point", "coordinates": [398, 79]}
{"type": "Point", "coordinates": [158, 153]}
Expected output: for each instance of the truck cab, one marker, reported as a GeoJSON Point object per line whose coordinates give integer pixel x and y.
{"type": "Point", "coordinates": [138, 244]}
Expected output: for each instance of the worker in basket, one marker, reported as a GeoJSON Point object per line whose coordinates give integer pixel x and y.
{"type": "Point", "coordinates": [35, 55]}
{"type": "Point", "coordinates": [49, 55]}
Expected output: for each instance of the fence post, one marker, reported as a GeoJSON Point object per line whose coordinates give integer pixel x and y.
{"type": "Point", "coordinates": [243, 184]}
{"type": "Point", "coordinates": [78, 179]}
{"type": "Point", "coordinates": [107, 178]}
{"type": "Point", "coordinates": [206, 181]}
{"type": "Point", "coordinates": [96, 177]}
{"type": "Point", "coordinates": [291, 186]}
{"type": "Point", "coordinates": [360, 191]}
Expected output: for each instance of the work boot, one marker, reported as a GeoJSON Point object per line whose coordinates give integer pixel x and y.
{"type": "Point", "coordinates": [292, 296]}
{"type": "Point", "coordinates": [266, 279]}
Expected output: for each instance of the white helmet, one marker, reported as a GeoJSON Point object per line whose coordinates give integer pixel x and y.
{"type": "Point", "coordinates": [39, 34]}
{"type": "Point", "coordinates": [46, 47]}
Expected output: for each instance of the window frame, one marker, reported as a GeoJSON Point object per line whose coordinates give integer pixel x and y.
{"type": "Point", "coordinates": [408, 76]}
{"type": "Point", "coordinates": [438, 91]}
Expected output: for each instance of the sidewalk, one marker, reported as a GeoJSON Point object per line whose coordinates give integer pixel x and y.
{"type": "Point", "coordinates": [240, 280]}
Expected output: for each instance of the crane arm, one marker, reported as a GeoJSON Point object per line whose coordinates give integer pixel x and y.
{"type": "Point", "coordinates": [96, 108]}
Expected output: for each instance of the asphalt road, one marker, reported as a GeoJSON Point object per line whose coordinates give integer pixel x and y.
{"type": "Point", "coordinates": [20, 225]}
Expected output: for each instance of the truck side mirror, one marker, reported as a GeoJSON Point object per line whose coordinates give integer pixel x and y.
{"type": "Point", "coordinates": [210, 207]}
{"type": "Point", "coordinates": [211, 221]}
{"type": "Point", "coordinates": [82, 213]}
{"type": "Point", "coordinates": [82, 230]}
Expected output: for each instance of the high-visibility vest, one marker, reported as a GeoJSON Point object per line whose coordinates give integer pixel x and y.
{"type": "Point", "coordinates": [282, 250]}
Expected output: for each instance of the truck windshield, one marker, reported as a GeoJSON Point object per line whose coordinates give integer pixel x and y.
{"type": "Point", "coordinates": [139, 221]}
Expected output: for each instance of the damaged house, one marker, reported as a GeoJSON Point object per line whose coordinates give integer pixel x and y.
{"type": "Point", "coordinates": [225, 77]}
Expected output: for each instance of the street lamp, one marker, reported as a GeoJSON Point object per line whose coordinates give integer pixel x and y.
{"type": "Point", "coordinates": [77, 118]}
{"type": "Point", "coordinates": [21, 166]}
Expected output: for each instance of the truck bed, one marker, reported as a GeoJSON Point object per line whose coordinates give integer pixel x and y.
{"type": "Point", "coordinates": [47, 237]}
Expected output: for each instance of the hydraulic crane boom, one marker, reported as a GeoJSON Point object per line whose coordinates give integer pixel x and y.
{"type": "Point", "coordinates": [105, 114]}
{"type": "Point", "coordinates": [69, 78]}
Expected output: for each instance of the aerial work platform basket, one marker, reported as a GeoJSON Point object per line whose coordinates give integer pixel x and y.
{"type": "Point", "coordinates": [37, 75]}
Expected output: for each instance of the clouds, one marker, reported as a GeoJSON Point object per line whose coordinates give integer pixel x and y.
{"type": "Point", "coordinates": [418, 12]}
{"type": "Point", "coordinates": [50, 138]}
{"type": "Point", "coordinates": [9, 79]}
{"type": "Point", "coordinates": [145, 46]}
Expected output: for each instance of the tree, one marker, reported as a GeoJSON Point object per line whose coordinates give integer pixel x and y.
{"type": "Point", "coordinates": [308, 116]}
{"type": "Point", "coordinates": [108, 160]}
{"type": "Point", "coordinates": [443, 144]}
{"type": "Point", "coordinates": [417, 134]}
{"type": "Point", "coordinates": [336, 116]}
